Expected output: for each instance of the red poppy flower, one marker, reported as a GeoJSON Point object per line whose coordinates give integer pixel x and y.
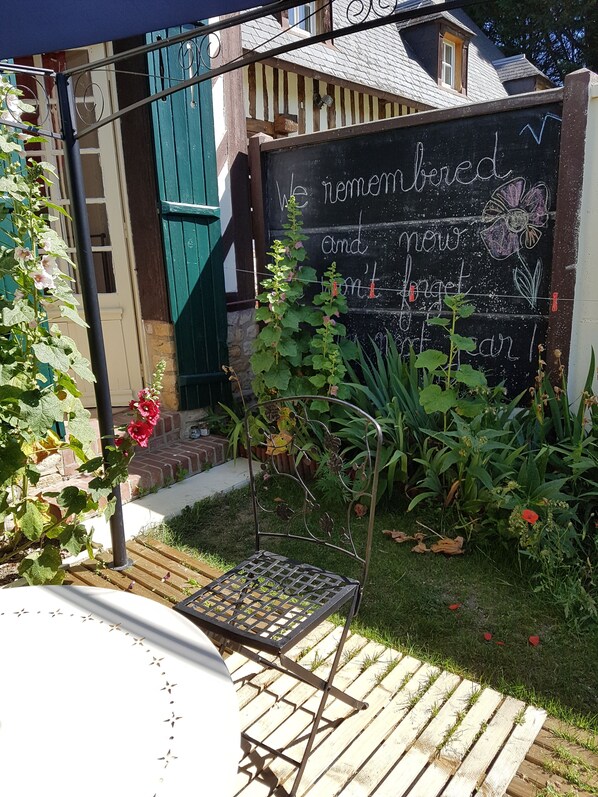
{"type": "Point", "coordinates": [530, 516]}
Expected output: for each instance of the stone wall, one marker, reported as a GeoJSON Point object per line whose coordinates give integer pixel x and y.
{"type": "Point", "coordinates": [159, 337]}
{"type": "Point", "coordinates": [242, 331]}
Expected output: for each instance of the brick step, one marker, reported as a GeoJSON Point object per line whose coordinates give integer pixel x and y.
{"type": "Point", "coordinates": [170, 463]}
{"type": "Point", "coordinates": [152, 469]}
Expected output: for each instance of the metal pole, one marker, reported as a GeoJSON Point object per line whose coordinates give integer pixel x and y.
{"type": "Point", "coordinates": [89, 292]}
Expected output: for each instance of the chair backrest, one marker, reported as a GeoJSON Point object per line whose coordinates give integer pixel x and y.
{"type": "Point", "coordinates": [313, 464]}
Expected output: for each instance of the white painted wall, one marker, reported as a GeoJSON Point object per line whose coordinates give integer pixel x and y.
{"type": "Point", "coordinates": [584, 332]}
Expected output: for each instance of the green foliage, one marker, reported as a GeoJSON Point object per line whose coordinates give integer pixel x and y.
{"type": "Point", "coordinates": [38, 366]}
{"type": "Point", "coordinates": [558, 36]}
{"type": "Point", "coordinates": [298, 349]}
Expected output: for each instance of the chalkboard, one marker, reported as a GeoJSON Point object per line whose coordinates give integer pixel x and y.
{"type": "Point", "coordinates": [418, 211]}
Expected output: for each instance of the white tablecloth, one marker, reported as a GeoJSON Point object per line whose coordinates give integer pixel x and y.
{"type": "Point", "coordinates": [106, 694]}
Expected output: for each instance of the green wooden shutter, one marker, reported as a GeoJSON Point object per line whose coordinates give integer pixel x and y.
{"type": "Point", "coordinates": [185, 151]}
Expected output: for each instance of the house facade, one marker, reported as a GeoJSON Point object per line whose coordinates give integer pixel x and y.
{"type": "Point", "coordinates": [168, 184]}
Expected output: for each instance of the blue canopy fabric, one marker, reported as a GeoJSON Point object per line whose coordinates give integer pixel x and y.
{"type": "Point", "coordinates": [32, 26]}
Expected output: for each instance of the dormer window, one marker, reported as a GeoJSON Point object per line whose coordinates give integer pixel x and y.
{"type": "Point", "coordinates": [313, 18]}
{"type": "Point", "coordinates": [449, 60]}
{"type": "Point", "coordinates": [439, 43]}
{"type": "Point", "coordinates": [303, 17]}
{"type": "Point", "coordinates": [452, 60]}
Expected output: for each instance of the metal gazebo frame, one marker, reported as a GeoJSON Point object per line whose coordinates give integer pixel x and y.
{"type": "Point", "coordinates": [367, 15]}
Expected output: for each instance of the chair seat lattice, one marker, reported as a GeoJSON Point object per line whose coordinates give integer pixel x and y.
{"type": "Point", "coordinates": [269, 596]}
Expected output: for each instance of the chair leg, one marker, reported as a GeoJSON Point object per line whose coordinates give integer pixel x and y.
{"type": "Point", "coordinates": [326, 693]}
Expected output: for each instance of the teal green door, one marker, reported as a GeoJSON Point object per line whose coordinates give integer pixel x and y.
{"type": "Point", "coordinates": [185, 152]}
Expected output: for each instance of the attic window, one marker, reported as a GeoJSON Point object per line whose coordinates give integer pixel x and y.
{"type": "Point", "coordinates": [452, 62]}
{"type": "Point", "coordinates": [314, 17]}
{"type": "Point", "coordinates": [303, 17]}
{"type": "Point", "coordinates": [448, 63]}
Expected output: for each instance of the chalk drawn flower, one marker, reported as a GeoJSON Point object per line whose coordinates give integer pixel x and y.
{"type": "Point", "coordinates": [515, 217]}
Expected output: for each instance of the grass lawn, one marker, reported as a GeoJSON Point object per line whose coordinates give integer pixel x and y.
{"type": "Point", "coordinates": [406, 605]}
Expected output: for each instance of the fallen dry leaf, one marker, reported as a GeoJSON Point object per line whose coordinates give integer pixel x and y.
{"type": "Point", "coordinates": [360, 510]}
{"type": "Point", "coordinates": [534, 640]}
{"type": "Point", "coordinates": [397, 536]}
{"type": "Point", "coordinates": [499, 643]}
{"type": "Point", "coordinates": [448, 546]}
{"type": "Point", "coordinates": [454, 606]}
{"type": "Point", "coordinates": [420, 548]}
{"type": "Point", "coordinates": [487, 636]}
{"type": "Point", "coordinates": [419, 536]}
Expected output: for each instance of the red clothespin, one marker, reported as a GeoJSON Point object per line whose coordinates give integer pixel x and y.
{"type": "Point", "coordinates": [555, 302]}
{"type": "Point", "coordinates": [372, 294]}
{"type": "Point", "coordinates": [412, 293]}
{"type": "Point", "coordinates": [334, 289]}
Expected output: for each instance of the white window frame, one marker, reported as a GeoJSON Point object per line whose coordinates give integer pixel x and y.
{"type": "Point", "coordinates": [303, 17]}
{"type": "Point", "coordinates": [448, 63]}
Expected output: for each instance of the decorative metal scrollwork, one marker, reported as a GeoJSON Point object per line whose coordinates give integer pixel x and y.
{"type": "Point", "coordinates": [359, 10]}
{"type": "Point", "coordinates": [92, 103]}
{"type": "Point", "coordinates": [35, 91]}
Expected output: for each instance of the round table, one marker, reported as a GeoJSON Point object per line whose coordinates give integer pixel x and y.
{"type": "Point", "coordinates": [106, 694]}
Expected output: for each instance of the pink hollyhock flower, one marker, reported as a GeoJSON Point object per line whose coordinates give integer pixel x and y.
{"type": "Point", "coordinates": [515, 217]}
{"type": "Point", "coordinates": [150, 410]}
{"type": "Point", "coordinates": [42, 279]}
{"type": "Point", "coordinates": [298, 245]}
{"type": "Point", "coordinates": [22, 253]}
{"type": "Point", "coordinates": [140, 432]}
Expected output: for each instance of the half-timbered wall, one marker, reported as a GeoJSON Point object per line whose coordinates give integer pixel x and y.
{"type": "Point", "coordinates": [271, 93]}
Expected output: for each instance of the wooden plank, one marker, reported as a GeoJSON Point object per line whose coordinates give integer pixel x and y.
{"type": "Point", "coordinates": [301, 102]}
{"type": "Point", "coordinates": [337, 759]}
{"type": "Point", "coordinates": [473, 768]}
{"type": "Point", "coordinates": [438, 773]}
{"type": "Point", "coordinates": [123, 580]}
{"type": "Point", "coordinates": [519, 787]}
{"type": "Point", "coordinates": [285, 91]}
{"type": "Point", "coordinates": [251, 80]}
{"type": "Point", "coordinates": [556, 727]}
{"type": "Point", "coordinates": [547, 740]}
{"type": "Point", "coordinates": [412, 721]}
{"type": "Point", "coordinates": [425, 748]}
{"type": "Point", "coordinates": [512, 754]}
{"type": "Point", "coordinates": [275, 93]}
{"type": "Point", "coordinates": [266, 72]}
{"type": "Point", "coordinates": [83, 576]}
{"type": "Point", "coordinates": [292, 735]}
{"type": "Point", "coordinates": [315, 109]}
{"type": "Point", "coordinates": [161, 589]}
{"type": "Point", "coordinates": [180, 556]}
{"type": "Point", "coordinates": [161, 567]}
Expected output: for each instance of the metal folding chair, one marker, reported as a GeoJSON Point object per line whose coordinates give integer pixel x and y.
{"type": "Point", "coordinates": [313, 465]}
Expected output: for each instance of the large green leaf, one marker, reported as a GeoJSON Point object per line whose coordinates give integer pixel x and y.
{"type": "Point", "coordinates": [43, 567]}
{"type": "Point", "coordinates": [471, 377]}
{"type": "Point", "coordinates": [32, 522]}
{"type": "Point", "coordinates": [40, 411]}
{"type": "Point", "coordinates": [54, 356]}
{"type": "Point", "coordinates": [12, 459]}
{"type": "Point", "coordinates": [434, 399]}
{"type": "Point", "coordinates": [462, 343]}
{"type": "Point", "coordinates": [431, 359]}
{"type": "Point", "coordinates": [278, 379]}
{"type": "Point", "coordinates": [262, 361]}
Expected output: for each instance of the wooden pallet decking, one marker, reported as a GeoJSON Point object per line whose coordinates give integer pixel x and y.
{"type": "Point", "coordinates": [425, 733]}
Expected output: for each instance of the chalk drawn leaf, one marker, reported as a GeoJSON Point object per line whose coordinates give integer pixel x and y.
{"type": "Point", "coordinates": [515, 217]}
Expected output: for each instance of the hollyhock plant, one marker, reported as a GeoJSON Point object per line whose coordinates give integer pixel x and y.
{"type": "Point", "coordinates": [146, 410]}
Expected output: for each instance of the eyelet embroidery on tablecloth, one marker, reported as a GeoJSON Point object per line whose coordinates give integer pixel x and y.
{"type": "Point", "coordinates": [156, 662]}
